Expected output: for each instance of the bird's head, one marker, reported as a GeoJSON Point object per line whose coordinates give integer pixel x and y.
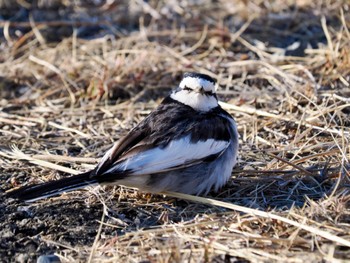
{"type": "Point", "coordinates": [197, 91]}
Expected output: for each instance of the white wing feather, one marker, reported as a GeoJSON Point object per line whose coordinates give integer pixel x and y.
{"type": "Point", "coordinates": [177, 153]}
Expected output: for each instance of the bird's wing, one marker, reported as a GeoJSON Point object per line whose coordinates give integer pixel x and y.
{"type": "Point", "coordinates": [112, 155]}
{"type": "Point", "coordinates": [180, 153]}
{"type": "Point", "coordinates": [160, 143]}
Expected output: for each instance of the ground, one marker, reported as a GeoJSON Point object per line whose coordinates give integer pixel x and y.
{"type": "Point", "coordinates": [76, 76]}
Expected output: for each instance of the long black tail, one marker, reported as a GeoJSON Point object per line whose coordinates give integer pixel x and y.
{"type": "Point", "coordinates": [39, 191]}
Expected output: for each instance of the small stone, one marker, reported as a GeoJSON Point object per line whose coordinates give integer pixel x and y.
{"type": "Point", "coordinates": [48, 259]}
{"type": "Point", "coordinates": [21, 257]}
{"type": "Point", "coordinates": [6, 233]}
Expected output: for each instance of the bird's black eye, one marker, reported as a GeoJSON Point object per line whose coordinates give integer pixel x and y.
{"type": "Point", "coordinates": [209, 93]}
{"type": "Point", "coordinates": [186, 88]}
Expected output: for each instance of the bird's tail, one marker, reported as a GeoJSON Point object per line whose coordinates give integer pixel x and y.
{"type": "Point", "coordinates": [35, 192]}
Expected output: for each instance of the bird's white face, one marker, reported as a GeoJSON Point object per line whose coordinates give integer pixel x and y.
{"type": "Point", "coordinates": [197, 93]}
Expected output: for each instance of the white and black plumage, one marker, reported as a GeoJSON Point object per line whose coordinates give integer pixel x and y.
{"type": "Point", "coordinates": [188, 144]}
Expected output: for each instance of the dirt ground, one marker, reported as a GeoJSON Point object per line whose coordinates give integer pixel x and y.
{"type": "Point", "coordinates": [75, 76]}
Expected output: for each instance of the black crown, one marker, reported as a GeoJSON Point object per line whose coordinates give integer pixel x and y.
{"type": "Point", "coordinates": [200, 76]}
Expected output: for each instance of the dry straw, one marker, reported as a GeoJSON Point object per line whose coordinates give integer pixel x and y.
{"type": "Point", "coordinates": [283, 73]}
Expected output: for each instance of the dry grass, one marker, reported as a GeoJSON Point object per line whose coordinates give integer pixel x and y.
{"type": "Point", "coordinates": [283, 71]}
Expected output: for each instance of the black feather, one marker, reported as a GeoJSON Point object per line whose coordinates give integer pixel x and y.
{"type": "Point", "coordinates": [39, 191]}
{"type": "Point", "coordinates": [199, 76]}
{"type": "Point", "coordinates": [173, 120]}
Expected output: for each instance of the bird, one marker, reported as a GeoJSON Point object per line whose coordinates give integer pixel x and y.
{"type": "Point", "coordinates": [188, 144]}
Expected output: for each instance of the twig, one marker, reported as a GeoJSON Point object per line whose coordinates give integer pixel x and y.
{"type": "Point", "coordinates": [263, 214]}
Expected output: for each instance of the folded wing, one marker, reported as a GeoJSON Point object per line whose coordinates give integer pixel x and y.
{"type": "Point", "coordinates": [180, 153]}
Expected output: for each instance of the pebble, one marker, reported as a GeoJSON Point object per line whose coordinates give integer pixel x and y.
{"type": "Point", "coordinates": [48, 259]}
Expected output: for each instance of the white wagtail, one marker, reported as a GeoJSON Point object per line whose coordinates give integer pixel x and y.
{"type": "Point", "coordinates": [188, 144]}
